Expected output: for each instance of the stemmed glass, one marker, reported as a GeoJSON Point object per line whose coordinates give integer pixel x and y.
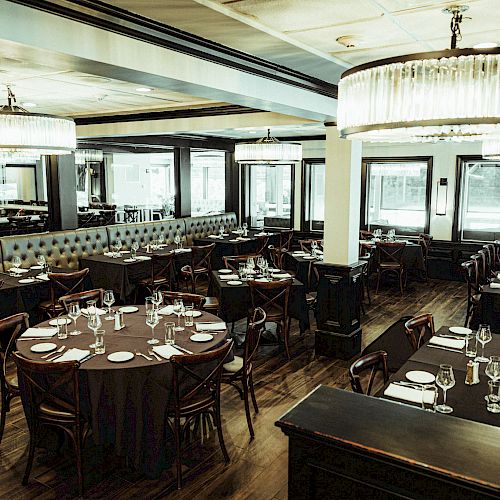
{"type": "Point", "coordinates": [260, 264]}
{"type": "Point", "coordinates": [161, 239]}
{"type": "Point", "coordinates": [178, 310]}
{"type": "Point", "coordinates": [119, 245]}
{"type": "Point", "coordinates": [250, 264]}
{"type": "Point", "coordinates": [446, 380]}
{"type": "Point", "coordinates": [245, 228]}
{"type": "Point", "coordinates": [157, 299]}
{"type": "Point", "coordinates": [109, 300]}
{"type": "Point", "coordinates": [152, 320]}
{"type": "Point", "coordinates": [483, 336]}
{"type": "Point", "coordinates": [16, 262]}
{"type": "Point", "coordinates": [94, 323]}
{"type": "Point", "coordinates": [177, 240]}
{"type": "Point", "coordinates": [314, 246]}
{"type": "Point", "coordinates": [74, 313]}
{"type": "Point", "coordinates": [40, 260]}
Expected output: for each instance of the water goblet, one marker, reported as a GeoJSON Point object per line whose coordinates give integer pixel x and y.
{"type": "Point", "coordinates": [251, 264]}
{"type": "Point", "coordinates": [109, 300]}
{"type": "Point", "coordinates": [170, 332]}
{"type": "Point", "coordinates": [177, 240]}
{"type": "Point", "coordinates": [493, 370]}
{"type": "Point", "coordinates": [119, 246]}
{"type": "Point", "coordinates": [314, 246]}
{"type": "Point", "coordinates": [178, 310]}
{"type": "Point", "coordinates": [74, 312]}
{"type": "Point", "coordinates": [94, 323]}
{"type": "Point", "coordinates": [446, 380]}
{"type": "Point", "coordinates": [483, 337]}
{"type": "Point", "coordinates": [99, 347]}
{"type": "Point", "coordinates": [152, 319]}
{"type": "Point", "coordinates": [40, 260]}
{"type": "Point", "coordinates": [161, 239]}
{"type": "Point", "coordinates": [157, 299]}
{"type": "Point", "coordinates": [16, 262]}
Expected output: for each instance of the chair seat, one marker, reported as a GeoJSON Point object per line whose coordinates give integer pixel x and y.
{"type": "Point", "coordinates": [476, 298]}
{"type": "Point", "coordinates": [187, 270]}
{"type": "Point", "coordinates": [157, 281]}
{"type": "Point", "coordinates": [211, 303]}
{"type": "Point", "coordinates": [12, 381]}
{"type": "Point", "coordinates": [47, 304]}
{"type": "Point", "coordinates": [55, 412]}
{"type": "Point", "coordinates": [235, 365]}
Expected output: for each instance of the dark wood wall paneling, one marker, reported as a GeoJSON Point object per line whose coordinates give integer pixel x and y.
{"type": "Point", "coordinates": [182, 180]}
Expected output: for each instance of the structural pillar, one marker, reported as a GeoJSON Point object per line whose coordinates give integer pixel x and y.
{"type": "Point", "coordinates": [182, 176]}
{"type": "Point", "coordinates": [340, 285]}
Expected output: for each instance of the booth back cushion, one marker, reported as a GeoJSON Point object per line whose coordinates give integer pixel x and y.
{"type": "Point", "coordinates": [60, 248]}
{"type": "Point", "coordinates": [201, 227]}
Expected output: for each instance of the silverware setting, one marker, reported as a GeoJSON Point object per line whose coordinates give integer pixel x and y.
{"type": "Point", "coordinates": [61, 349]}
{"type": "Point", "coordinates": [152, 353]}
{"type": "Point", "coordinates": [90, 356]}
{"type": "Point", "coordinates": [446, 336]}
{"type": "Point", "coordinates": [445, 348]}
{"type": "Point", "coordinates": [182, 349]}
{"type": "Point", "coordinates": [137, 353]}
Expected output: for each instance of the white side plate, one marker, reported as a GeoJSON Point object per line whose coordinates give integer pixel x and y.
{"type": "Point", "coordinates": [120, 356]}
{"type": "Point", "coordinates": [201, 337]}
{"type": "Point", "coordinates": [420, 377]}
{"type": "Point", "coordinates": [43, 347]}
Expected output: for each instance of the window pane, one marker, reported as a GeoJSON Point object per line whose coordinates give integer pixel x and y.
{"type": "Point", "coordinates": [397, 195]}
{"type": "Point", "coordinates": [18, 183]}
{"type": "Point", "coordinates": [270, 195]}
{"type": "Point", "coordinates": [480, 201]}
{"type": "Point", "coordinates": [315, 211]}
{"type": "Point", "coordinates": [208, 182]}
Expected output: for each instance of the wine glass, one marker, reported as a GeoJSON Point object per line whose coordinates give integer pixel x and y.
{"type": "Point", "coordinates": [109, 300]}
{"type": "Point", "coordinates": [152, 319]}
{"type": "Point", "coordinates": [260, 263]}
{"type": "Point", "coordinates": [314, 246]}
{"type": "Point", "coordinates": [250, 264]}
{"type": "Point", "coordinates": [40, 260]}
{"type": "Point", "coordinates": [245, 228]}
{"type": "Point", "coordinates": [16, 262]}
{"type": "Point", "coordinates": [178, 310]}
{"type": "Point", "coordinates": [483, 337]}
{"type": "Point", "coordinates": [161, 239]}
{"type": "Point", "coordinates": [94, 323]}
{"type": "Point", "coordinates": [177, 240]}
{"type": "Point", "coordinates": [446, 380]}
{"type": "Point", "coordinates": [74, 312]}
{"type": "Point", "coordinates": [493, 368]}
{"type": "Point", "coordinates": [157, 298]}
{"type": "Point", "coordinates": [119, 245]}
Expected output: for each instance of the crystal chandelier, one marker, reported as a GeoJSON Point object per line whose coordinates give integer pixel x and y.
{"type": "Point", "coordinates": [450, 95]}
{"type": "Point", "coordinates": [491, 148]}
{"type": "Point", "coordinates": [268, 150]}
{"type": "Point", "coordinates": [88, 155]}
{"type": "Point", "coordinates": [34, 133]}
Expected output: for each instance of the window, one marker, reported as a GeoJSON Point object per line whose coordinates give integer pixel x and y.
{"type": "Point", "coordinates": [18, 182]}
{"type": "Point", "coordinates": [396, 194]}
{"type": "Point", "coordinates": [479, 199]}
{"type": "Point", "coordinates": [314, 195]}
{"type": "Point", "coordinates": [145, 180]}
{"type": "Point", "coordinates": [270, 194]}
{"type": "Point", "coordinates": [208, 182]}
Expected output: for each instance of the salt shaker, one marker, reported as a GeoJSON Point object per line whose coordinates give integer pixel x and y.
{"type": "Point", "coordinates": [475, 372]}
{"type": "Point", "coordinates": [118, 325]}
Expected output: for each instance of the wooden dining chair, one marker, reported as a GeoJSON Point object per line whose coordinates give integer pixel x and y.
{"type": "Point", "coordinates": [365, 235]}
{"type": "Point", "coordinates": [161, 274]}
{"type": "Point", "coordinates": [389, 259]}
{"type": "Point", "coordinates": [277, 257]}
{"type": "Point", "coordinates": [52, 394]}
{"type": "Point", "coordinates": [425, 241]}
{"type": "Point", "coordinates": [10, 330]}
{"type": "Point", "coordinates": [233, 261]}
{"type": "Point", "coordinates": [365, 371]}
{"type": "Point", "coordinates": [471, 274]}
{"type": "Point", "coordinates": [240, 370]}
{"type": "Point", "coordinates": [194, 299]}
{"type": "Point", "coordinates": [262, 244]}
{"type": "Point", "coordinates": [305, 245]}
{"type": "Point", "coordinates": [419, 330]}
{"type": "Point", "coordinates": [201, 265]}
{"type": "Point", "coordinates": [62, 284]}
{"type": "Point", "coordinates": [196, 391]}
{"type": "Point", "coordinates": [273, 297]}
{"type": "Point", "coordinates": [489, 251]}
{"type": "Point", "coordinates": [81, 297]}
{"type": "Point", "coordinates": [286, 240]}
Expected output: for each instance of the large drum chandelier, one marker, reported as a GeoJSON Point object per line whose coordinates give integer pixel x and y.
{"type": "Point", "coordinates": [449, 95]}
{"type": "Point", "coordinates": [268, 150]}
{"type": "Point", "coordinates": [22, 132]}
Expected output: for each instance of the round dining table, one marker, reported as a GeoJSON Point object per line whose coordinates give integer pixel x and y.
{"type": "Point", "coordinates": [126, 403]}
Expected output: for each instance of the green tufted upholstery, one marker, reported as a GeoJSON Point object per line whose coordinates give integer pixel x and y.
{"type": "Point", "coordinates": [201, 227]}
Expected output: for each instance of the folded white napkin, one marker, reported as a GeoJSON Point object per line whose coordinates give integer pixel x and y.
{"type": "Point", "coordinates": [226, 277]}
{"type": "Point", "coordinates": [143, 257]}
{"type": "Point", "coordinates": [108, 254]}
{"type": "Point", "coordinates": [444, 342]}
{"type": "Point", "coordinates": [213, 235]}
{"type": "Point", "coordinates": [167, 310]}
{"type": "Point", "coordinates": [166, 351]}
{"type": "Point", "coordinates": [262, 280]}
{"type": "Point", "coordinates": [100, 311]}
{"type": "Point", "coordinates": [19, 271]}
{"type": "Point", "coordinates": [43, 277]}
{"type": "Point", "coordinates": [240, 238]}
{"type": "Point", "coordinates": [210, 327]}
{"type": "Point", "coordinates": [494, 285]}
{"type": "Point", "coordinates": [410, 394]}
{"type": "Point", "coordinates": [282, 275]}
{"type": "Point", "coordinates": [39, 332]}
{"type": "Point", "coordinates": [73, 354]}
{"type": "Point", "coordinates": [182, 250]}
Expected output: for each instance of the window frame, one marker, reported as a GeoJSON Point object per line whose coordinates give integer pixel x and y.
{"type": "Point", "coordinates": [32, 166]}
{"type": "Point", "coordinates": [305, 225]}
{"type": "Point", "coordinates": [459, 179]}
{"type": "Point", "coordinates": [246, 169]}
{"type": "Point", "coordinates": [396, 159]}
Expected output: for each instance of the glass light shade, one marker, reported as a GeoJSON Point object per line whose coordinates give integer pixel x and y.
{"type": "Point", "coordinates": [84, 155]}
{"type": "Point", "coordinates": [491, 148]}
{"type": "Point", "coordinates": [36, 133]}
{"type": "Point", "coordinates": [268, 152]}
{"type": "Point", "coordinates": [451, 95]}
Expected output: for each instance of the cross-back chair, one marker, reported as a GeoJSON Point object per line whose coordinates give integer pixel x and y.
{"type": "Point", "coordinates": [162, 274]}
{"type": "Point", "coordinates": [470, 270]}
{"type": "Point", "coordinates": [489, 251]}
{"type": "Point", "coordinates": [480, 259]}
{"type": "Point", "coordinates": [277, 257]}
{"type": "Point", "coordinates": [233, 261]}
{"type": "Point", "coordinates": [240, 370]}
{"type": "Point", "coordinates": [273, 297]}
{"type": "Point", "coordinates": [196, 391]}
{"type": "Point", "coordinates": [389, 259]}
{"type": "Point", "coordinates": [425, 241]}
{"type": "Point", "coordinates": [10, 330]}
{"type": "Point", "coordinates": [52, 392]}
{"type": "Point", "coordinates": [262, 244]}
{"type": "Point", "coordinates": [200, 264]}
{"type": "Point", "coordinates": [365, 235]}
{"type": "Point", "coordinates": [62, 284]}
{"type": "Point", "coordinates": [305, 245]}
{"type": "Point", "coordinates": [373, 363]}
{"type": "Point", "coordinates": [194, 299]}
{"type": "Point", "coordinates": [419, 330]}
{"type": "Point", "coordinates": [81, 297]}
{"type": "Point", "coordinates": [286, 240]}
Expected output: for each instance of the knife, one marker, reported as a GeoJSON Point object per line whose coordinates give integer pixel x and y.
{"type": "Point", "coordinates": [182, 349]}
{"type": "Point", "coordinates": [445, 348]}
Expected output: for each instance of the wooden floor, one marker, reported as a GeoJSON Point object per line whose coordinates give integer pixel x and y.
{"type": "Point", "coordinates": [258, 469]}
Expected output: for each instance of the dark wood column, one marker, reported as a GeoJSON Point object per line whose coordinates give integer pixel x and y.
{"type": "Point", "coordinates": [182, 178]}
{"type": "Point", "coordinates": [61, 192]}
{"type": "Point", "coordinates": [232, 184]}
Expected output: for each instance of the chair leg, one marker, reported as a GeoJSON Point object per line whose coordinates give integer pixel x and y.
{"type": "Point", "coordinates": [3, 416]}
{"type": "Point", "coordinates": [378, 281]}
{"type": "Point", "coordinates": [286, 333]}
{"type": "Point", "coordinates": [218, 422]}
{"type": "Point", "coordinates": [247, 409]}
{"type": "Point", "coordinates": [401, 283]}
{"type": "Point", "coordinates": [252, 392]}
{"type": "Point", "coordinates": [31, 456]}
{"type": "Point", "coordinates": [178, 463]}
{"type": "Point", "coordinates": [79, 469]}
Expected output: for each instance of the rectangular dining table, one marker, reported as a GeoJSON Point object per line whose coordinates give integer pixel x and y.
{"type": "Point", "coordinates": [490, 306]}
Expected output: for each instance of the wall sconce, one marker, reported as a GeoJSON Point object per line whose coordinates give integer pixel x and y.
{"type": "Point", "coordinates": [442, 196]}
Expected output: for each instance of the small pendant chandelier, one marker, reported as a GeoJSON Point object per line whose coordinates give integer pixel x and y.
{"type": "Point", "coordinates": [268, 150]}
{"type": "Point", "coordinates": [83, 156]}
{"type": "Point", "coordinates": [449, 95]}
{"type": "Point", "coordinates": [25, 133]}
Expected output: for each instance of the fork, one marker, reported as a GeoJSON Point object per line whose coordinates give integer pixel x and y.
{"type": "Point", "coordinates": [143, 355]}
{"type": "Point", "coordinates": [61, 349]}
{"type": "Point", "coordinates": [152, 353]}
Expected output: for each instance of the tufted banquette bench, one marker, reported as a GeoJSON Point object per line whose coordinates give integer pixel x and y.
{"type": "Point", "coordinates": [65, 248]}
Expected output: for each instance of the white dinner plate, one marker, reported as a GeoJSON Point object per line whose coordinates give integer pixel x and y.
{"type": "Point", "coordinates": [197, 314]}
{"type": "Point", "coordinates": [143, 257]}
{"type": "Point", "coordinates": [128, 309]}
{"type": "Point", "coordinates": [309, 257]}
{"type": "Point", "coordinates": [60, 321]}
{"type": "Point", "coordinates": [201, 337]}
{"type": "Point", "coordinates": [129, 260]}
{"type": "Point", "coordinates": [42, 277]}
{"type": "Point", "coordinates": [20, 271]}
{"type": "Point", "coordinates": [120, 356]}
{"type": "Point", "coordinates": [225, 271]}
{"type": "Point", "coordinates": [26, 281]}
{"type": "Point", "coordinates": [234, 282]}
{"type": "Point", "coordinates": [43, 347]}
{"type": "Point", "coordinates": [460, 330]}
{"type": "Point", "coordinates": [35, 267]}
{"type": "Point", "coordinates": [420, 377]}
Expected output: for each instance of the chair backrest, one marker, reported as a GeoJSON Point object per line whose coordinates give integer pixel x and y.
{"type": "Point", "coordinates": [162, 266]}
{"type": "Point", "coordinates": [187, 298]}
{"type": "Point", "coordinates": [276, 255]}
{"type": "Point", "coordinates": [480, 259]}
{"type": "Point", "coordinates": [272, 295]}
{"type": "Point", "coordinates": [488, 256]}
{"type": "Point", "coordinates": [10, 330]}
{"type": "Point", "coordinates": [373, 363]}
{"type": "Point", "coordinates": [200, 256]}
{"type": "Point", "coordinates": [419, 330]}
{"type": "Point", "coordinates": [54, 383]}
{"type": "Point", "coordinates": [470, 270]}
{"type": "Point", "coordinates": [198, 376]}
{"type": "Point", "coordinates": [305, 245]}
{"type": "Point", "coordinates": [254, 331]}
{"type": "Point", "coordinates": [79, 297]}
{"type": "Point", "coordinates": [262, 243]}
{"type": "Point", "coordinates": [233, 261]}
{"type": "Point", "coordinates": [66, 283]}
{"type": "Point", "coordinates": [491, 254]}
{"type": "Point", "coordinates": [425, 241]}
{"type": "Point", "coordinates": [365, 235]}
{"type": "Point", "coordinates": [286, 240]}
{"type": "Point", "coordinates": [390, 252]}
